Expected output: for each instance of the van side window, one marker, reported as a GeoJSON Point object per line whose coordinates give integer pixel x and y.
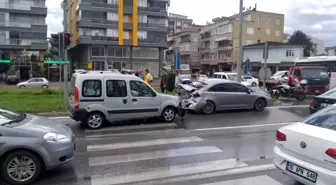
{"type": "Point", "coordinates": [92, 88]}
{"type": "Point", "coordinates": [116, 88]}
{"type": "Point", "coordinates": [224, 77]}
{"type": "Point", "coordinates": [297, 73]}
{"type": "Point", "coordinates": [140, 89]}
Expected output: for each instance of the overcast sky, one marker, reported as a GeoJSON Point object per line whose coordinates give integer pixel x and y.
{"type": "Point", "coordinates": [314, 17]}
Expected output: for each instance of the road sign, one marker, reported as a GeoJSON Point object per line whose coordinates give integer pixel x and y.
{"type": "Point", "coordinates": [262, 73]}
{"type": "Point", "coordinates": [4, 61]}
{"type": "Point", "coordinates": [56, 62]}
{"type": "Point", "coordinates": [177, 61]}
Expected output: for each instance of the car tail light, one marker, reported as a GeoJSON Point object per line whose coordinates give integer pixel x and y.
{"type": "Point", "coordinates": [280, 136]}
{"type": "Point", "coordinates": [331, 152]}
{"type": "Point", "coordinates": [76, 99]}
{"type": "Point", "coordinates": [313, 102]}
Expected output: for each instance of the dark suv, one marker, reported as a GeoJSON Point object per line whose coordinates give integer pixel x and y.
{"type": "Point", "coordinates": [12, 79]}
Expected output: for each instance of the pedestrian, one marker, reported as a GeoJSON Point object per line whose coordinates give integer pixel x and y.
{"type": "Point", "coordinates": [177, 80]}
{"type": "Point", "coordinates": [148, 77]}
{"type": "Point", "coordinates": [164, 79]}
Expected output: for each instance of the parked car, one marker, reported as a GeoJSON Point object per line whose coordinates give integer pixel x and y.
{"type": "Point", "coordinates": [34, 82]}
{"type": "Point", "coordinates": [30, 145]}
{"type": "Point", "coordinates": [108, 96]}
{"type": "Point", "coordinates": [322, 101]}
{"type": "Point", "coordinates": [230, 76]}
{"type": "Point", "coordinates": [306, 150]}
{"type": "Point", "coordinates": [12, 79]}
{"type": "Point", "coordinates": [253, 82]}
{"type": "Point", "coordinates": [220, 94]}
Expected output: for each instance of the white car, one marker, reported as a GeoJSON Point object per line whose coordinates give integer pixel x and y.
{"type": "Point", "coordinates": [34, 82]}
{"type": "Point", "coordinates": [306, 150]}
{"type": "Point", "coordinates": [253, 82]}
{"type": "Point", "coordinates": [230, 76]}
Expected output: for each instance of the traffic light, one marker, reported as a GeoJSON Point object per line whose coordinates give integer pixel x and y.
{"type": "Point", "coordinates": [56, 42]}
{"type": "Point", "coordinates": [67, 39]}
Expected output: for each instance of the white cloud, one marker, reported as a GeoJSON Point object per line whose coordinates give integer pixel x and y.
{"type": "Point", "coordinates": [314, 17]}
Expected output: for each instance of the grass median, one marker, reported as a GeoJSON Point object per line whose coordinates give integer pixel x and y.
{"type": "Point", "coordinates": [35, 100]}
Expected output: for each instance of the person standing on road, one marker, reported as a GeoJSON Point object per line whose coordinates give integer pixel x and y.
{"type": "Point", "coordinates": [148, 78]}
{"type": "Point", "coordinates": [164, 79]}
{"type": "Point", "coordinates": [177, 80]}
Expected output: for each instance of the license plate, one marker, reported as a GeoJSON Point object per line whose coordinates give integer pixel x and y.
{"type": "Point", "coordinates": [324, 105]}
{"type": "Point", "coordinates": [302, 172]}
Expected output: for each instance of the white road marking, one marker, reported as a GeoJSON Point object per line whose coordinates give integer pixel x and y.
{"type": "Point", "coordinates": [287, 106]}
{"type": "Point", "coordinates": [102, 136]}
{"type": "Point", "coordinates": [249, 181]}
{"type": "Point", "coordinates": [156, 125]}
{"type": "Point", "coordinates": [186, 151]}
{"type": "Point", "coordinates": [225, 172]}
{"type": "Point", "coordinates": [143, 143]}
{"type": "Point", "coordinates": [185, 169]}
{"type": "Point", "coordinates": [243, 126]}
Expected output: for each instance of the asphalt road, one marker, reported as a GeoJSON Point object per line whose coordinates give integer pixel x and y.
{"type": "Point", "coordinates": [222, 149]}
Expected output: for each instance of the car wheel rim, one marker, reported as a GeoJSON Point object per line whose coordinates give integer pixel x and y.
{"type": "Point", "coordinates": [169, 115]}
{"type": "Point", "coordinates": [95, 121]}
{"type": "Point", "coordinates": [259, 105]}
{"type": "Point", "coordinates": [21, 169]}
{"type": "Point", "coordinates": [209, 107]}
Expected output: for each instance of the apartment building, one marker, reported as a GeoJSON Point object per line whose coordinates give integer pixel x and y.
{"type": "Point", "coordinates": [318, 45]}
{"type": "Point", "coordinates": [187, 44]}
{"type": "Point", "coordinates": [219, 40]}
{"type": "Point", "coordinates": [178, 23]}
{"type": "Point", "coordinates": [22, 27]}
{"type": "Point", "coordinates": [118, 34]}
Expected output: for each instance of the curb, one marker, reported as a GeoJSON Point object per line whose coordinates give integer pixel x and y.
{"type": "Point", "coordinates": [52, 114]}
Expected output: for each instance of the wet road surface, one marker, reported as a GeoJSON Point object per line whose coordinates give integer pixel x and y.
{"type": "Point", "coordinates": [221, 149]}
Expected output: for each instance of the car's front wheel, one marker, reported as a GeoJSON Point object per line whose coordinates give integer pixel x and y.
{"type": "Point", "coordinates": [254, 84]}
{"type": "Point", "coordinates": [259, 104]}
{"type": "Point", "coordinates": [95, 120]}
{"type": "Point", "coordinates": [168, 114]}
{"type": "Point", "coordinates": [209, 107]}
{"type": "Point", "coordinates": [21, 168]}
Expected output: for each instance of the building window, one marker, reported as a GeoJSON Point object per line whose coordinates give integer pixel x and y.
{"type": "Point", "coordinates": [250, 30]}
{"type": "Point", "coordinates": [249, 42]}
{"type": "Point", "coordinates": [98, 33]}
{"type": "Point", "coordinates": [84, 32]}
{"type": "Point", "coordinates": [142, 35]}
{"type": "Point", "coordinates": [224, 29]}
{"type": "Point", "coordinates": [127, 18]}
{"type": "Point", "coordinates": [268, 20]}
{"type": "Point", "coordinates": [258, 40]}
{"type": "Point", "coordinates": [268, 32]}
{"type": "Point", "coordinates": [277, 22]}
{"type": "Point", "coordinates": [142, 19]}
{"type": "Point", "coordinates": [213, 45]}
{"type": "Point", "coordinates": [247, 17]}
{"type": "Point", "coordinates": [178, 23]}
{"type": "Point", "coordinates": [97, 51]}
{"type": "Point", "coordinates": [290, 53]}
{"type": "Point", "coordinates": [142, 3]}
{"type": "Point", "coordinates": [186, 25]}
{"type": "Point", "coordinates": [178, 30]}
{"type": "Point", "coordinates": [112, 16]}
{"type": "Point", "coordinates": [277, 33]}
{"type": "Point", "coordinates": [258, 19]}
{"type": "Point", "coordinates": [194, 48]}
{"type": "Point", "coordinates": [112, 2]}
{"type": "Point", "coordinates": [126, 35]}
{"type": "Point", "coordinates": [195, 39]}
{"type": "Point", "coordinates": [112, 33]}
{"type": "Point", "coordinates": [213, 32]}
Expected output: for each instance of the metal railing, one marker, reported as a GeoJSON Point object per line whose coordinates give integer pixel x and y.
{"type": "Point", "coordinates": [16, 6]}
{"type": "Point", "coordinates": [19, 24]}
{"type": "Point", "coordinates": [21, 42]}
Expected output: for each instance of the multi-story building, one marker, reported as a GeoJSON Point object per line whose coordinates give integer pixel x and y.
{"type": "Point", "coordinates": [178, 23]}
{"type": "Point", "coordinates": [186, 43]}
{"type": "Point", "coordinates": [318, 47]}
{"type": "Point", "coordinates": [219, 40]}
{"type": "Point", "coordinates": [118, 34]}
{"type": "Point", "coordinates": [330, 51]}
{"type": "Point", "coordinates": [22, 27]}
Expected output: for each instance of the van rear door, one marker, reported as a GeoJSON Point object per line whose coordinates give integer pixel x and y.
{"type": "Point", "coordinates": [72, 86]}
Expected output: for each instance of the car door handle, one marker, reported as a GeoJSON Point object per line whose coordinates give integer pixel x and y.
{"type": "Point", "coordinates": [134, 100]}
{"type": "Point", "coordinates": [124, 101]}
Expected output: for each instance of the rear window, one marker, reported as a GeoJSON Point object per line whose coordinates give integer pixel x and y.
{"type": "Point", "coordinates": [315, 73]}
{"type": "Point", "coordinates": [325, 118]}
{"type": "Point", "coordinates": [92, 88]}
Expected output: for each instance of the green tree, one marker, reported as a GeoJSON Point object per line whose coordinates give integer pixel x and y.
{"type": "Point", "coordinates": [47, 55]}
{"type": "Point", "coordinates": [300, 38]}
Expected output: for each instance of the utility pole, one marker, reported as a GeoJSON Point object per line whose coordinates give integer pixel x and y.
{"type": "Point", "coordinates": [240, 44]}
{"type": "Point", "coordinates": [265, 65]}
{"type": "Point", "coordinates": [65, 65]}
{"type": "Point", "coordinates": [60, 70]}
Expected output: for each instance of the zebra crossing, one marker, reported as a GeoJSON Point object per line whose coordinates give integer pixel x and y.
{"type": "Point", "coordinates": [161, 154]}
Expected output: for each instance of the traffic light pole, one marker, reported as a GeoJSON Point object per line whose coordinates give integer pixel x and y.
{"type": "Point", "coordinates": [65, 27]}
{"type": "Point", "coordinates": [60, 70]}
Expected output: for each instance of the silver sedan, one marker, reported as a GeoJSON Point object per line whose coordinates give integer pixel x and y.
{"type": "Point", "coordinates": [220, 94]}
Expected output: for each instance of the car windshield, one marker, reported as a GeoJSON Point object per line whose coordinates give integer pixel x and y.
{"type": "Point", "coordinates": [9, 117]}
{"type": "Point", "coordinates": [315, 73]}
{"type": "Point", "coordinates": [325, 118]}
{"type": "Point", "coordinates": [233, 77]}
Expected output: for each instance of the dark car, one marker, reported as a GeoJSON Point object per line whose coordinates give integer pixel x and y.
{"type": "Point", "coordinates": [12, 79]}
{"type": "Point", "coordinates": [324, 100]}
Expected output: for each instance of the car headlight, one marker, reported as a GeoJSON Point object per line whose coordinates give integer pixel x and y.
{"type": "Point", "coordinates": [56, 138]}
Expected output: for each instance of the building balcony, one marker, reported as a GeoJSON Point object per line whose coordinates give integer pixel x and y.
{"type": "Point", "coordinates": [22, 8]}
{"type": "Point", "coordinates": [31, 26]}
{"type": "Point", "coordinates": [215, 61]}
{"type": "Point", "coordinates": [224, 48]}
{"type": "Point", "coordinates": [152, 27]}
{"type": "Point", "coordinates": [224, 37]}
{"type": "Point", "coordinates": [97, 23]}
{"type": "Point", "coordinates": [153, 11]}
{"type": "Point", "coordinates": [28, 44]}
{"type": "Point", "coordinates": [204, 50]}
{"type": "Point", "coordinates": [185, 53]}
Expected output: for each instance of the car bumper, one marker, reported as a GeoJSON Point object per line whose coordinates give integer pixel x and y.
{"type": "Point", "coordinates": [60, 154]}
{"type": "Point", "coordinates": [313, 109]}
{"type": "Point", "coordinates": [78, 115]}
{"type": "Point", "coordinates": [324, 176]}
{"type": "Point", "coordinates": [193, 105]}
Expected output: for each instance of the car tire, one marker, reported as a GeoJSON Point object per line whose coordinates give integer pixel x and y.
{"type": "Point", "coordinates": [44, 87]}
{"type": "Point", "coordinates": [254, 84]}
{"type": "Point", "coordinates": [8, 162]}
{"type": "Point", "coordinates": [259, 104]}
{"type": "Point", "coordinates": [209, 107]}
{"type": "Point", "coordinates": [22, 86]}
{"type": "Point", "coordinates": [168, 114]}
{"type": "Point", "coordinates": [95, 120]}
